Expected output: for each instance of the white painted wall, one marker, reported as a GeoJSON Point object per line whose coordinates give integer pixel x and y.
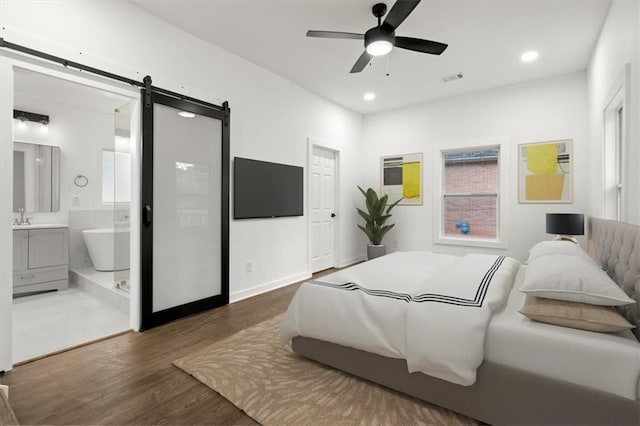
{"type": "Point", "coordinates": [271, 118]}
{"type": "Point", "coordinates": [81, 134]}
{"type": "Point", "coordinates": [618, 44]}
{"type": "Point", "coordinates": [549, 109]}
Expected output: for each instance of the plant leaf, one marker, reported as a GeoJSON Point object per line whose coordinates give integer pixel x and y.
{"type": "Point", "coordinates": [393, 205]}
{"type": "Point", "coordinates": [384, 230]}
{"type": "Point", "coordinates": [382, 219]}
{"type": "Point", "coordinates": [368, 234]}
{"type": "Point", "coordinates": [364, 215]}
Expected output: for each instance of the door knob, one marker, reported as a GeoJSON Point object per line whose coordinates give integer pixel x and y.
{"type": "Point", "coordinates": [333, 215]}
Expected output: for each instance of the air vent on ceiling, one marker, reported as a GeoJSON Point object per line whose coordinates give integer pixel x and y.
{"type": "Point", "coordinates": [452, 77]}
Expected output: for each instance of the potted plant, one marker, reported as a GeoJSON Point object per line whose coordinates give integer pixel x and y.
{"type": "Point", "coordinates": [375, 218]}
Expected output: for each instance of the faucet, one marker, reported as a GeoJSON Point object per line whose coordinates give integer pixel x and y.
{"type": "Point", "coordinates": [23, 220]}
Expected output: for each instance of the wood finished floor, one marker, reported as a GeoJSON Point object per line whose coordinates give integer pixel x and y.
{"type": "Point", "coordinates": [129, 379]}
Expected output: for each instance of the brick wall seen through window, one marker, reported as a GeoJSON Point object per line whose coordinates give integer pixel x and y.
{"type": "Point", "coordinates": [470, 192]}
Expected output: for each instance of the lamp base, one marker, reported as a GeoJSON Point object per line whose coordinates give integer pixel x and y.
{"type": "Point", "coordinates": [566, 238]}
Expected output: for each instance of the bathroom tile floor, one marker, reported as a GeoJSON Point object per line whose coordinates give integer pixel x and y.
{"type": "Point", "coordinates": [101, 285]}
{"type": "Point", "coordinates": [48, 322]}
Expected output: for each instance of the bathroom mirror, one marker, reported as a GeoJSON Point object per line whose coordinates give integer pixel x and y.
{"type": "Point", "coordinates": [36, 177]}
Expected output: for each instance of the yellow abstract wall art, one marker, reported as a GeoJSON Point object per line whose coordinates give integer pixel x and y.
{"type": "Point", "coordinates": [401, 178]}
{"type": "Point", "coordinates": [545, 172]}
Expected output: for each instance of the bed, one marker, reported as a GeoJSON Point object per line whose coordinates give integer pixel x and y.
{"type": "Point", "coordinates": [530, 372]}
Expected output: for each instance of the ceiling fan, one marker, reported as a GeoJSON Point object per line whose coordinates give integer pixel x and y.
{"type": "Point", "coordinates": [380, 39]}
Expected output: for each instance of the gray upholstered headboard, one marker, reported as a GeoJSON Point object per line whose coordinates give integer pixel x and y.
{"type": "Point", "coordinates": [616, 247]}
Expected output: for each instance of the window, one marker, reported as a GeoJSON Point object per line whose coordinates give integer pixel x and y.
{"type": "Point", "coordinates": [116, 176]}
{"type": "Point", "coordinates": [470, 200]}
{"type": "Point", "coordinates": [619, 146]}
{"type": "Point", "coordinates": [615, 144]}
{"type": "Point", "coordinates": [613, 164]}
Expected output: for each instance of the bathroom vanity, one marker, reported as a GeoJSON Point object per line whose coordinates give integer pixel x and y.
{"type": "Point", "coordinates": [40, 258]}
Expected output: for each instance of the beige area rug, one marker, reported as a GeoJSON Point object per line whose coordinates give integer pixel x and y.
{"type": "Point", "coordinates": [275, 386]}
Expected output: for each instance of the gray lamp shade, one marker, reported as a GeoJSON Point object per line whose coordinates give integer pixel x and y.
{"type": "Point", "coordinates": [565, 223]}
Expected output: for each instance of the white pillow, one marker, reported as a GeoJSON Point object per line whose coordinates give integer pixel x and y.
{"type": "Point", "coordinates": [572, 278]}
{"type": "Point", "coordinates": [547, 248]}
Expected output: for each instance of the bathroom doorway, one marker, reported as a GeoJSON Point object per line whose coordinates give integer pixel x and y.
{"type": "Point", "coordinates": [72, 211]}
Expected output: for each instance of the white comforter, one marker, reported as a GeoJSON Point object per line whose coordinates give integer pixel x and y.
{"type": "Point", "coordinates": [430, 309]}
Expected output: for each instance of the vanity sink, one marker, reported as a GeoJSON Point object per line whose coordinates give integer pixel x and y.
{"type": "Point", "coordinates": [40, 226]}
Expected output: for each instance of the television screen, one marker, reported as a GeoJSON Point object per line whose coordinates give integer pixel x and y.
{"type": "Point", "coordinates": [263, 189]}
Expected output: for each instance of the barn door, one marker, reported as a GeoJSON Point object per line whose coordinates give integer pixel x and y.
{"type": "Point", "coordinates": [185, 205]}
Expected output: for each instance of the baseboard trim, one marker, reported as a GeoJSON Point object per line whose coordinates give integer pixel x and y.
{"type": "Point", "coordinates": [351, 261]}
{"type": "Point", "coordinates": [263, 288]}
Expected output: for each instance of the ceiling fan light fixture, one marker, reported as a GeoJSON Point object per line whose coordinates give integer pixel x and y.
{"type": "Point", "coordinates": [378, 41]}
{"type": "Point", "coordinates": [381, 39]}
{"type": "Point", "coordinates": [379, 48]}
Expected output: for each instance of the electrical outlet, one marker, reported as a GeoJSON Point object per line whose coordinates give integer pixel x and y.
{"type": "Point", "coordinates": [248, 266]}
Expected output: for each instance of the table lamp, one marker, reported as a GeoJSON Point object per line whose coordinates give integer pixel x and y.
{"type": "Point", "coordinates": [565, 225]}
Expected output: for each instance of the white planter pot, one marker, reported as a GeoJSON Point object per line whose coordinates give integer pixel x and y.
{"type": "Point", "coordinates": [374, 251]}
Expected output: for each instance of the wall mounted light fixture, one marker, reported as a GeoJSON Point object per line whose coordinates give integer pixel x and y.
{"type": "Point", "coordinates": [25, 116]}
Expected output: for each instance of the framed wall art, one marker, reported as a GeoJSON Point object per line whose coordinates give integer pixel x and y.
{"type": "Point", "coordinates": [401, 177]}
{"type": "Point", "coordinates": [545, 172]}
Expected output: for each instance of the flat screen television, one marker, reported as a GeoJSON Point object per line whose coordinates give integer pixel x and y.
{"type": "Point", "coordinates": [262, 189]}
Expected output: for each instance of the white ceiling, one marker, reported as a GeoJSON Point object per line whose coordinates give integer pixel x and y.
{"type": "Point", "coordinates": [485, 41]}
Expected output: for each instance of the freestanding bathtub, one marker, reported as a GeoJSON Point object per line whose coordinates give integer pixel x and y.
{"type": "Point", "coordinates": [108, 248]}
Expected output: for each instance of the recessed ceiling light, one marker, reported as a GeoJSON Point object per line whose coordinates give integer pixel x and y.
{"type": "Point", "coordinates": [369, 96]}
{"type": "Point", "coordinates": [529, 56]}
{"type": "Point", "coordinates": [186, 114]}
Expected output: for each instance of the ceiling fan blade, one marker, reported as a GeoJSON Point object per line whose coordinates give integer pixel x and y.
{"type": "Point", "coordinates": [398, 13]}
{"type": "Point", "coordinates": [335, 34]}
{"type": "Point", "coordinates": [420, 45]}
{"type": "Point", "coordinates": [362, 62]}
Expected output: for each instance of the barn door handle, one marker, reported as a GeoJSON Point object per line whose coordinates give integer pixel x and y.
{"type": "Point", "coordinates": [147, 215]}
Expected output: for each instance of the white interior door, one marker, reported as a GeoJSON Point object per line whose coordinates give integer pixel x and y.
{"type": "Point", "coordinates": [322, 177]}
